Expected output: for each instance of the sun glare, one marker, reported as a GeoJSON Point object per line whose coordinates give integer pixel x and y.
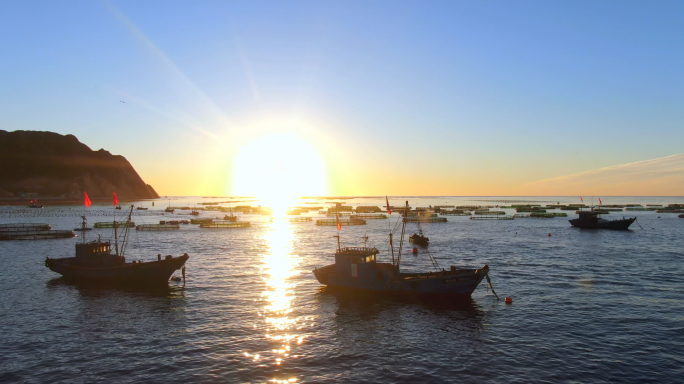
{"type": "Point", "coordinates": [277, 169]}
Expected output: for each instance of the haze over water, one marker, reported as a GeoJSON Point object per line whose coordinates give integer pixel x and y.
{"type": "Point", "coordinates": [588, 306]}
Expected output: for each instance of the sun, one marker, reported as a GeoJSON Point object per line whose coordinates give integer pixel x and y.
{"type": "Point", "coordinates": [277, 169]}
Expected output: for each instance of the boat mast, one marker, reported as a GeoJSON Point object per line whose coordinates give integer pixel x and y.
{"type": "Point", "coordinates": [116, 240]}
{"type": "Point", "coordinates": [128, 222]}
{"type": "Point", "coordinates": [403, 230]}
{"type": "Point", "coordinates": [83, 228]}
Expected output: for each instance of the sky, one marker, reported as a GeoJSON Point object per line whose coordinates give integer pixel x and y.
{"type": "Point", "coordinates": [359, 97]}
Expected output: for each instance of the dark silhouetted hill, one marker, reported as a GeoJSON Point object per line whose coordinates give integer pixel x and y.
{"type": "Point", "coordinates": [51, 164]}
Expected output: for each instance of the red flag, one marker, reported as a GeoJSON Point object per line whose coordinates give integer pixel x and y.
{"type": "Point", "coordinates": [388, 206]}
{"type": "Point", "coordinates": [116, 199]}
{"type": "Point", "coordinates": [600, 201]}
{"type": "Point", "coordinates": [87, 200]}
{"type": "Point", "coordinates": [581, 199]}
{"type": "Point", "coordinates": [339, 225]}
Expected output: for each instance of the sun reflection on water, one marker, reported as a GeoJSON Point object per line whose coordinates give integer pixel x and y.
{"type": "Point", "coordinates": [280, 325]}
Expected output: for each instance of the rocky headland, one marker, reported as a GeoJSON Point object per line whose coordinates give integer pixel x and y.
{"type": "Point", "coordinates": [59, 167]}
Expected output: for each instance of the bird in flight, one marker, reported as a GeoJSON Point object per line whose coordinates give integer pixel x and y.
{"type": "Point", "coordinates": [121, 101]}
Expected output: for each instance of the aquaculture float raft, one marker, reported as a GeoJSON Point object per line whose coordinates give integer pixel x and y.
{"type": "Point", "coordinates": [343, 222]}
{"type": "Point", "coordinates": [201, 221]}
{"type": "Point", "coordinates": [23, 227]}
{"type": "Point", "coordinates": [491, 217]}
{"type": "Point", "coordinates": [367, 216]}
{"type": "Point", "coordinates": [299, 219]}
{"type": "Point", "coordinates": [110, 224]}
{"type": "Point", "coordinates": [220, 224]}
{"type": "Point", "coordinates": [425, 220]}
{"type": "Point", "coordinates": [340, 214]}
{"type": "Point", "coordinates": [157, 227]}
{"type": "Point", "coordinates": [36, 235]}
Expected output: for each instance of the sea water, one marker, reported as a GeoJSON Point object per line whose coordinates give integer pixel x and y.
{"type": "Point", "coordinates": [588, 305]}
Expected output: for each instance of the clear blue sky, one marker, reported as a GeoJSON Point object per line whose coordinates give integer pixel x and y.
{"type": "Point", "coordinates": [516, 91]}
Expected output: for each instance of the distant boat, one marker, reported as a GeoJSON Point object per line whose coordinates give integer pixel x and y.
{"type": "Point", "coordinates": [194, 213]}
{"type": "Point", "coordinates": [141, 208]}
{"type": "Point", "coordinates": [419, 238]}
{"type": "Point", "coordinates": [34, 204]}
{"type": "Point", "coordinates": [117, 207]}
{"type": "Point", "coordinates": [95, 262]}
{"type": "Point", "coordinates": [356, 268]}
{"type": "Point", "coordinates": [591, 219]}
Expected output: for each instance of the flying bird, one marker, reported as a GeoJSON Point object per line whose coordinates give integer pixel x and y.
{"type": "Point", "coordinates": [121, 101]}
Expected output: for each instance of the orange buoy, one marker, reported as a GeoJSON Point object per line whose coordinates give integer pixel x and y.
{"type": "Point", "coordinates": [549, 235]}
{"type": "Point", "coordinates": [508, 300]}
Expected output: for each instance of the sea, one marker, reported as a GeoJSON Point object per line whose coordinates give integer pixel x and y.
{"type": "Point", "coordinates": [588, 306]}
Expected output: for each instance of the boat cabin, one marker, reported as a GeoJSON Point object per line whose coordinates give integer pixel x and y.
{"type": "Point", "coordinates": [588, 216]}
{"type": "Point", "coordinates": [360, 262]}
{"type": "Point", "coordinates": [97, 254]}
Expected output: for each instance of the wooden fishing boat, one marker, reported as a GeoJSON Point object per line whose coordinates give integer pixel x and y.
{"type": "Point", "coordinates": [357, 268]}
{"type": "Point", "coordinates": [94, 262]}
{"type": "Point", "coordinates": [591, 219]}
{"type": "Point", "coordinates": [419, 238]}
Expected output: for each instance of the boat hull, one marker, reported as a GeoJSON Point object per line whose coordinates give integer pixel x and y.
{"type": "Point", "coordinates": [153, 272]}
{"type": "Point", "coordinates": [460, 284]}
{"type": "Point", "coordinates": [622, 224]}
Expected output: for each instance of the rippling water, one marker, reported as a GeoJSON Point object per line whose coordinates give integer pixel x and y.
{"type": "Point", "coordinates": [588, 306]}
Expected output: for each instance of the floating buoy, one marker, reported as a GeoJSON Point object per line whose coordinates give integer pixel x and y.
{"type": "Point", "coordinates": [549, 235]}
{"type": "Point", "coordinates": [508, 300]}
{"type": "Point", "coordinates": [415, 250]}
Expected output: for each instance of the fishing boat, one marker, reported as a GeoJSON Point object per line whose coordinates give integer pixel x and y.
{"type": "Point", "coordinates": [141, 208]}
{"type": "Point", "coordinates": [357, 268]}
{"type": "Point", "coordinates": [419, 238]}
{"type": "Point", "coordinates": [591, 219]}
{"type": "Point", "coordinates": [95, 262]}
{"type": "Point", "coordinates": [118, 207]}
{"type": "Point", "coordinates": [34, 204]}
{"type": "Point", "coordinates": [230, 217]}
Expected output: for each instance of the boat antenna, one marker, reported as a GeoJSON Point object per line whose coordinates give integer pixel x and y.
{"type": "Point", "coordinates": [365, 239]}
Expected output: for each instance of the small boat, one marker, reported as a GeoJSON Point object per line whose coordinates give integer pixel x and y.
{"type": "Point", "coordinates": [419, 238]}
{"type": "Point", "coordinates": [117, 207]}
{"type": "Point", "coordinates": [230, 217]}
{"type": "Point", "coordinates": [169, 209]}
{"type": "Point", "coordinates": [591, 219]}
{"type": "Point", "coordinates": [356, 268]}
{"type": "Point", "coordinates": [94, 262]}
{"type": "Point", "coordinates": [34, 204]}
{"type": "Point", "coordinates": [194, 213]}
{"type": "Point", "coordinates": [141, 208]}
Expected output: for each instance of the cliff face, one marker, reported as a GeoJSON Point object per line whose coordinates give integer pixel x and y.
{"type": "Point", "coordinates": [55, 165]}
